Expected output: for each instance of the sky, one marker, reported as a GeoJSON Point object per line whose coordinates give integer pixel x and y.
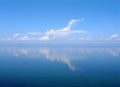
{"type": "Point", "coordinates": [72, 21]}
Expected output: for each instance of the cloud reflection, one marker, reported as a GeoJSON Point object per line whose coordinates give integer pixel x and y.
{"type": "Point", "coordinates": [66, 55]}
{"type": "Point", "coordinates": [54, 56]}
{"type": "Point", "coordinates": [114, 51]}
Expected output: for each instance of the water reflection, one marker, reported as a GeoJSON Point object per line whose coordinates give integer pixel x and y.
{"type": "Point", "coordinates": [55, 56]}
{"type": "Point", "coordinates": [66, 55]}
{"type": "Point", "coordinates": [114, 51]}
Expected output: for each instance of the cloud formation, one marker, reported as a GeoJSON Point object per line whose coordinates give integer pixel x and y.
{"type": "Point", "coordinates": [114, 37]}
{"type": "Point", "coordinates": [48, 35]}
{"type": "Point", "coordinates": [24, 38]}
{"type": "Point", "coordinates": [16, 35]}
{"type": "Point", "coordinates": [64, 31]}
{"type": "Point", "coordinates": [64, 34]}
{"type": "Point", "coordinates": [44, 38]}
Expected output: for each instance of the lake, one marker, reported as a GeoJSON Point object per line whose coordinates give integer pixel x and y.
{"type": "Point", "coordinates": [59, 66]}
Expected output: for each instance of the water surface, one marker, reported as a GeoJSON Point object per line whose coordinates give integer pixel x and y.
{"type": "Point", "coordinates": [60, 66]}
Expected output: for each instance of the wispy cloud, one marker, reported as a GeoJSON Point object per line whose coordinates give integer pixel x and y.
{"type": "Point", "coordinates": [64, 31]}
{"type": "Point", "coordinates": [49, 34]}
{"type": "Point", "coordinates": [114, 37]}
{"type": "Point", "coordinates": [67, 33]}
{"type": "Point", "coordinates": [25, 38]}
{"type": "Point", "coordinates": [15, 35]}
{"type": "Point", "coordinates": [44, 38]}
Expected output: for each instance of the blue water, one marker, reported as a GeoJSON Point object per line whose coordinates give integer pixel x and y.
{"type": "Point", "coordinates": [60, 66]}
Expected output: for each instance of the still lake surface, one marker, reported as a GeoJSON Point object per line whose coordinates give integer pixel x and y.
{"type": "Point", "coordinates": [60, 66]}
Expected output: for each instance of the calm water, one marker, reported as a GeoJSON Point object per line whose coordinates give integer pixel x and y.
{"type": "Point", "coordinates": [76, 66]}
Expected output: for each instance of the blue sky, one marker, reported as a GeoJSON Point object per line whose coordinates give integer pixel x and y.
{"type": "Point", "coordinates": [45, 20]}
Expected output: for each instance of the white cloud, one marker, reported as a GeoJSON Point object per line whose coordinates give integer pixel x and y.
{"type": "Point", "coordinates": [59, 34]}
{"type": "Point", "coordinates": [44, 38]}
{"type": "Point", "coordinates": [64, 31]}
{"type": "Point", "coordinates": [16, 35]}
{"type": "Point", "coordinates": [50, 34]}
{"type": "Point", "coordinates": [68, 27]}
{"type": "Point", "coordinates": [114, 37]}
{"type": "Point", "coordinates": [24, 38]}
